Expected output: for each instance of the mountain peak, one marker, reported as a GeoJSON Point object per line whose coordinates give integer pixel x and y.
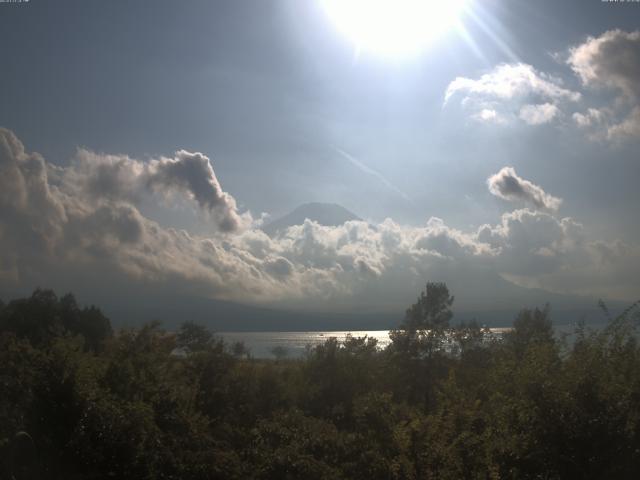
{"type": "Point", "coordinates": [327, 214]}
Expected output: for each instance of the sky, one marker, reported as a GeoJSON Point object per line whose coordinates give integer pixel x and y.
{"type": "Point", "coordinates": [148, 141]}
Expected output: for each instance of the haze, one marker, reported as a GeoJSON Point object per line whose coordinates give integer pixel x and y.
{"type": "Point", "coordinates": [146, 146]}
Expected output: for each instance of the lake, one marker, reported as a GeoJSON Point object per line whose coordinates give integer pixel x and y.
{"type": "Point", "coordinates": [261, 344]}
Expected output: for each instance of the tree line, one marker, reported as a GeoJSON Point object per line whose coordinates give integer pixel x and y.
{"type": "Point", "coordinates": [442, 401]}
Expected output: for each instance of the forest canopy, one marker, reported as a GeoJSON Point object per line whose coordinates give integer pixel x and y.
{"type": "Point", "coordinates": [79, 400]}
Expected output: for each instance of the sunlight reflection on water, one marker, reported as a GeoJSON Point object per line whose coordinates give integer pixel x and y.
{"type": "Point", "coordinates": [261, 344]}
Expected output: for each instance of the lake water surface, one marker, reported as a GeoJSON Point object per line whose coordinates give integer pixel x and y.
{"type": "Point", "coordinates": [261, 344]}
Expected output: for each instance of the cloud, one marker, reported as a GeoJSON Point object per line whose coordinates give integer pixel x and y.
{"type": "Point", "coordinates": [611, 63]}
{"type": "Point", "coordinates": [90, 234]}
{"type": "Point", "coordinates": [508, 81]}
{"type": "Point", "coordinates": [592, 116]}
{"type": "Point", "coordinates": [566, 262]}
{"type": "Point", "coordinates": [611, 60]}
{"type": "Point", "coordinates": [607, 67]}
{"type": "Point", "coordinates": [507, 185]}
{"type": "Point", "coordinates": [539, 250]}
{"type": "Point", "coordinates": [538, 114]}
{"type": "Point", "coordinates": [629, 127]}
{"type": "Point", "coordinates": [119, 177]}
{"type": "Point", "coordinates": [531, 243]}
{"type": "Point", "coordinates": [489, 115]}
{"type": "Point", "coordinates": [279, 267]}
{"type": "Point", "coordinates": [33, 217]}
{"type": "Point", "coordinates": [193, 173]}
{"type": "Point", "coordinates": [512, 91]}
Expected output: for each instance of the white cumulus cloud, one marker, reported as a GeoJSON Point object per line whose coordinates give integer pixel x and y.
{"type": "Point", "coordinates": [510, 92]}
{"type": "Point", "coordinates": [508, 81]}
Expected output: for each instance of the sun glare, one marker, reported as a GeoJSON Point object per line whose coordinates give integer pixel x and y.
{"type": "Point", "coordinates": [394, 28]}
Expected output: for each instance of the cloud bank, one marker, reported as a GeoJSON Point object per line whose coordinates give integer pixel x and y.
{"type": "Point", "coordinates": [80, 225]}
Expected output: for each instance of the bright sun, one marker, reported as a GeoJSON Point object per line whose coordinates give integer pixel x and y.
{"type": "Point", "coordinates": [394, 28]}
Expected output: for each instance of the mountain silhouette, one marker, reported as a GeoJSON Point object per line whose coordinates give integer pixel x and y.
{"type": "Point", "coordinates": [327, 214]}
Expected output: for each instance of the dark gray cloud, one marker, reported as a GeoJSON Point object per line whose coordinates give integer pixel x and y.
{"type": "Point", "coordinates": [507, 185]}
{"type": "Point", "coordinates": [193, 173]}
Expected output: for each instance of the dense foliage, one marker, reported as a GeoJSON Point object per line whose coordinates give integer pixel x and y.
{"type": "Point", "coordinates": [439, 402]}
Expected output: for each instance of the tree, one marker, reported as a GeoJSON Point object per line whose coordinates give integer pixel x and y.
{"type": "Point", "coordinates": [419, 340]}
{"type": "Point", "coordinates": [432, 311]}
{"type": "Point", "coordinates": [194, 337]}
{"type": "Point", "coordinates": [426, 322]}
{"type": "Point", "coordinates": [531, 327]}
{"type": "Point", "coordinates": [43, 317]}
